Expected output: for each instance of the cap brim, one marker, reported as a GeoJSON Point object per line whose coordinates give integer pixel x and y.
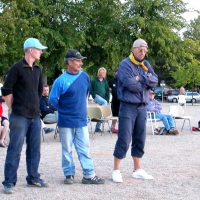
{"type": "Point", "coordinates": [42, 47]}
{"type": "Point", "coordinates": [80, 58]}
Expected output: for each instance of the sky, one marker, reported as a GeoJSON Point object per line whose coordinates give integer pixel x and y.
{"type": "Point", "coordinates": [192, 5]}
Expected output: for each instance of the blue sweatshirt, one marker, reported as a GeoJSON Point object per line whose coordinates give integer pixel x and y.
{"type": "Point", "coordinates": [68, 95]}
{"type": "Point", "coordinates": [154, 106]}
{"type": "Point", "coordinates": [129, 89]}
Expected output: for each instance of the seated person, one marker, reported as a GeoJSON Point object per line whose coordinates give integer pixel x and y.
{"type": "Point", "coordinates": [48, 111]}
{"type": "Point", "coordinates": [168, 121]}
{"type": "Point", "coordinates": [4, 128]}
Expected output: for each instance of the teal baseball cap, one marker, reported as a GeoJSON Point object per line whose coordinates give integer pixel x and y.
{"type": "Point", "coordinates": [33, 43]}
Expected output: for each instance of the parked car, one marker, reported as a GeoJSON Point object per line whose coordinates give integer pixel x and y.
{"type": "Point", "coordinates": [158, 92]}
{"type": "Point", "coordinates": [189, 97]}
{"type": "Point", "coordinates": [170, 92]}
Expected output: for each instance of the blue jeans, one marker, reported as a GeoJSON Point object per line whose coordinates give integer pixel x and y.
{"type": "Point", "coordinates": [80, 138]}
{"type": "Point", "coordinates": [102, 102]}
{"type": "Point", "coordinates": [21, 128]}
{"type": "Point", "coordinates": [167, 120]}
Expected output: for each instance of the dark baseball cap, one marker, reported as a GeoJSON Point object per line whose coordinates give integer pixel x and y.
{"type": "Point", "coordinates": [74, 54]}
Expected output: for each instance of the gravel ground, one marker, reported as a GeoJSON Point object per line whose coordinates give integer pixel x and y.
{"type": "Point", "coordinates": [172, 160]}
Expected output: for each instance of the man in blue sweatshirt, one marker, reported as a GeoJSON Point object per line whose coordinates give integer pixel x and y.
{"type": "Point", "coordinates": [69, 96]}
{"type": "Point", "coordinates": [135, 78]}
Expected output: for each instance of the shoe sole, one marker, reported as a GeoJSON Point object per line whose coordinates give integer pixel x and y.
{"type": "Point", "coordinates": [39, 186]}
{"type": "Point", "coordinates": [117, 181]}
{"type": "Point", "coordinates": [95, 183]}
{"type": "Point", "coordinates": [141, 177]}
{"type": "Point", "coordinates": [68, 182]}
{"type": "Point", "coordinates": [9, 192]}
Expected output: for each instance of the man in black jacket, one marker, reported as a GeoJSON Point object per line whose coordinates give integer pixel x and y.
{"type": "Point", "coordinates": [48, 111]}
{"type": "Point", "coordinates": [22, 90]}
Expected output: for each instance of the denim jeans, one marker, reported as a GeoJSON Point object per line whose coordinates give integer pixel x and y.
{"type": "Point", "coordinates": [80, 138]}
{"type": "Point", "coordinates": [102, 102]}
{"type": "Point", "coordinates": [167, 120]}
{"type": "Point", "coordinates": [21, 128]}
{"type": "Point", "coordinates": [51, 117]}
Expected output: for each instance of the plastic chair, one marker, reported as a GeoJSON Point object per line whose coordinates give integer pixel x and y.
{"type": "Point", "coordinates": [178, 113]}
{"type": "Point", "coordinates": [181, 100]}
{"type": "Point", "coordinates": [95, 115]}
{"type": "Point", "coordinates": [107, 113]}
{"type": "Point", "coordinates": [151, 117]}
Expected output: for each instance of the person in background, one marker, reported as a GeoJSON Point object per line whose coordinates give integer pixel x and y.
{"type": "Point", "coordinates": [48, 111]}
{"type": "Point", "coordinates": [99, 90]}
{"type": "Point", "coordinates": [182, 90]}
{"type": "Point", "coordinates": [4, 128]}
{"type": "Point", "coordinates": [69, 96]}
{"type": "Point", "coordinates": [168, 121]}
{"type": "Point", "coordinates": [22, 91]}
{"type": "Point", "coordinates": [115, 103]}
{"type": "Point", "coordinates": [135, 78]}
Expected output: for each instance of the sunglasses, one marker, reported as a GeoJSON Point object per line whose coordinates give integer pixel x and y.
{"type": "Point", "coordinates": [141, 50]}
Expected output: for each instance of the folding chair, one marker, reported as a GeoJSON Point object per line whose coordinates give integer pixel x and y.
{"type": "Point", "coordinates": [95, 115]}
{"type": "Point", "coordinates": [107, 113]}
{"type": "Point", "coordinates": [178, 113]}
{"type": "Point", "coordinates": [181, 100]}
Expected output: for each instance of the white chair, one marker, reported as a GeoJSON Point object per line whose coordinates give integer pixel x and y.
{"type": "Point", "coordinates": [181, 100]}
{"type": "Point", "coordinates": [151, 117]}
{"type": "Point", "coordinates": [178, 113]}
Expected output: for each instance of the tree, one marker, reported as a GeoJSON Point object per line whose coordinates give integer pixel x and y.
{"type": "Point", "coordinates": [188, 72]}
{"type": "Point", "coordinates": [103, 31]}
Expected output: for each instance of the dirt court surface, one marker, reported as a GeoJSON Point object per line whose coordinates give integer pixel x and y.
{"type": "Point", "coordinates": [174, 161]}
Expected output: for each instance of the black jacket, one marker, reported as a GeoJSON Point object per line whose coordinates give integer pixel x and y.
{"type": "Point", "coordinates": [25, 83]}
{"type": "Point", "coordinates": [46, 107]}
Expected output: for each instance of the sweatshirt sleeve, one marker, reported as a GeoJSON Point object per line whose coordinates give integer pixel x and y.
{"type": "Point", "coordinates": [55, 94]}
{"type": "Point", "coordinates": [149, 81]}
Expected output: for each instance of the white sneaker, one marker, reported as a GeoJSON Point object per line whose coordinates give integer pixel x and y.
{"type": "Point", "coordinates": [140, 173]}
{"type": "Point", "coordinates": [117, 176]}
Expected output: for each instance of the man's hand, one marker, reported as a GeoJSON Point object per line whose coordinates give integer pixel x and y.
{"type": "Point", "coordinates": [149, 74]}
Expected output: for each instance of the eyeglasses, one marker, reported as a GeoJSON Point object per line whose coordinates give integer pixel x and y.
{"type": "Point", "coordinates": [141, 50]}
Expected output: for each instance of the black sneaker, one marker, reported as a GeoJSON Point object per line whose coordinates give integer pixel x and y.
{"type": "Point", "coordinates": [9, 189]}
{"type": "Point", "coordinates": [39, 183]}
{"type": "Point", "coordinates": [69, 179]}
{"type": "Point", "coordinates": [94, 180]}
{"type": "Point", "coordinates": [48, 130]}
